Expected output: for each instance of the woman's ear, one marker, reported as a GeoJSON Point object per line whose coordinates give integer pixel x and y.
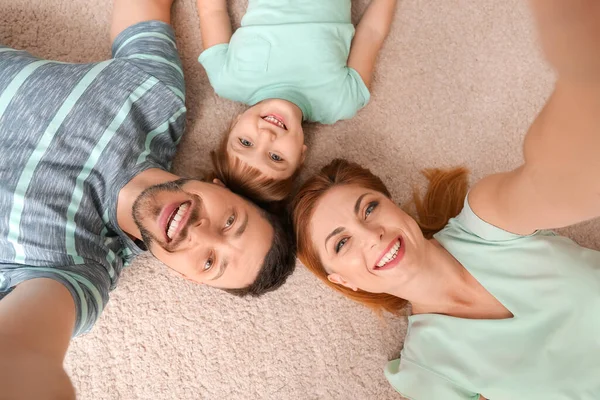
{"type": "Point", "coordinates": [339, 280]}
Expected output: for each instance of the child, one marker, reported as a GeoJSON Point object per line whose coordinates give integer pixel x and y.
{"type": "Point", "coordinates": [291, 61]}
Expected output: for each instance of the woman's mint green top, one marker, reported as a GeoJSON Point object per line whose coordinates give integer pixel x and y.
{"type": "Point", "coordinates": [296, 50]}
{"type": "Point", "coordinates": [550, 350]}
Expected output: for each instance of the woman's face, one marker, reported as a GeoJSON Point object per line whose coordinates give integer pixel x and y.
{"type": "Point", "coordinates": [365, 241]}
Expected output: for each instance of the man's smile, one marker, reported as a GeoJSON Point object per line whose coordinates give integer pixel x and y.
{"type": "Point", "coordinates": [174, 218]}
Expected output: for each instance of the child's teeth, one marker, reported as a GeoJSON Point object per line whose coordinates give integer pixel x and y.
{"type": "Point", "coordinates": [275, 121]}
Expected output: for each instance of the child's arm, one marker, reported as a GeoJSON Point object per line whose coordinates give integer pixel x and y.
{"type": "Point", "coordinates": [370, 35]}
{"type": "Point", "coordinates": [215, 25]}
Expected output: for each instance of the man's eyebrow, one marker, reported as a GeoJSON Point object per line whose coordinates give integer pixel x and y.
{"type": "Point", "coordinates": [242, 227]}
{"type": "Point", "coordinates": [335, 232]}
{"type": "Point", "coordinates": [357, 204]}
{"type": "Point", "coordinates": [224, 265]}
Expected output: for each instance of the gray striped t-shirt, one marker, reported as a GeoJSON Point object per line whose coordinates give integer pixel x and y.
{"type": "Point", "coordinates": [71, 136]}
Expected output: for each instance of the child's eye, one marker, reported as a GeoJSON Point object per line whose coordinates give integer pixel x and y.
{"type": "Point", "coordinates": [275, 157]}
{"type": "Point", "coordinates": [340, 244]}
{"type": "Point", "coordinates": [371, 207]}
{"type": "Point", "coordinates": [245, 143]}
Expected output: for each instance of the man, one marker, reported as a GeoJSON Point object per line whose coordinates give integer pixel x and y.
{"type": "Point", "coordinates": [85, 150]}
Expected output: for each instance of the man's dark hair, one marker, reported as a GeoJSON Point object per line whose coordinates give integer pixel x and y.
{"type": "Point", "coordinates": [280, 261]}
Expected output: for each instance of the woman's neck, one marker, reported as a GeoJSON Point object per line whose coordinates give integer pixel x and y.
{"type": "Point", "coordinates": [444, 287]}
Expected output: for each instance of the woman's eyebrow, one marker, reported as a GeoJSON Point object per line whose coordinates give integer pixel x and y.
{"type": "Point", "coordinates": [335, 232]}
{"type": "Point", "coordinates": [358, 201]}
{"type": "Point", "coordinates": [356, 210]}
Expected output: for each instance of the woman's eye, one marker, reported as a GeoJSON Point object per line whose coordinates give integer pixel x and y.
{"type": "Point", "coordinates": [208, 264]}
{"type": "Point", "coordinates": [245, 143]}
{"type": "Point", "coordinates": [275, 157]}
{"type": "Point", "coordinates": [370, 208]}
{"type": "Point", "coordinates": [230, 221]}
{"type": "Point", "coordinates": [340, 244]}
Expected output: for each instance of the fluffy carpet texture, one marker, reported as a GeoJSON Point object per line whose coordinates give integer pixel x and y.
{"type": "Point", "coordinates": [458, 82]}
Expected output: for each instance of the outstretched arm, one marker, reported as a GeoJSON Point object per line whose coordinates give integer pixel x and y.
{"type": "Point", "coordinates": [131, 12]}
{"type": "Point", "coordinates": [215, 25]}
{"type": "Point", "coordinates": [36, 324]}
{"type": "Point", "coordinates": [371, 32]}
{"type": "Point", "coordinates": [559, 183]}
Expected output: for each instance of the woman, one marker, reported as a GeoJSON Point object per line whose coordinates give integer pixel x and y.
{"type": "Point", "coordinates": [501, 307]}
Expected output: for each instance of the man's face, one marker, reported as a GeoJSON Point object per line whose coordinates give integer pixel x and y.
{"type": "Point", "coordinates": [204, 231]}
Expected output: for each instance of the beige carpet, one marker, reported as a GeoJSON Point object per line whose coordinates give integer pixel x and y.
{"type": "Point", "coordinates": [458, 83]}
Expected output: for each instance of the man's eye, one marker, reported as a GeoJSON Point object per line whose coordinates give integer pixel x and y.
{"type": "Point", "coordinates": [370, 208]}
{"type": "Point", "coordinates": [275, 157]}
{"type": "Point", "coordinates": [340, 244]}
{"type": "Point", "coordinates": [208, 264]}
{"type": "Point", "coordinates": [230, 221]}
{"type": "Point", "coordinates": [245, 143]}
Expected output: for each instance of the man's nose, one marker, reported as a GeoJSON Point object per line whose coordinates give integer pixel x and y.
{"type": "Point", "coordinates": [206, 234]}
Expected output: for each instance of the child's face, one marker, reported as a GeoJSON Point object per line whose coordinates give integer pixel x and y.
{"type": "Point", "coordinates": [269, 136]}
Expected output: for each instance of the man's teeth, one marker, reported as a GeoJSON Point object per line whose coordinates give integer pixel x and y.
{"type": "Point", "coordinates": [174, 223]}
{"type": "Point", "coordinates": [273, 120]}
{"type": "Point", "coordinates": [390, 255]}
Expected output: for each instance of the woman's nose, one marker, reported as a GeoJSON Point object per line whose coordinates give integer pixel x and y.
{"type": "Point", "coordinates": [372, 236]}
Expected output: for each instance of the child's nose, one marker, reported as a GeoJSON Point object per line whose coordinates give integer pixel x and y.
{"type": "Point", "coordinates": [270, 134]}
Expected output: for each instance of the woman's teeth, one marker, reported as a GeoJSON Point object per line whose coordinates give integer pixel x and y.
{"type": "Point", "coordinates": [174, 221]}
{"type": "Point", "coordinates": [275, 121]}
{"type": "Point", "coordinates": [390, 255]}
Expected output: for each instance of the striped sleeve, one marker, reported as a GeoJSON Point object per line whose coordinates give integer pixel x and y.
{"type": "Point", "coordinates": [151, 47]}
{"type": "Point", "coordinates": [88, 284]}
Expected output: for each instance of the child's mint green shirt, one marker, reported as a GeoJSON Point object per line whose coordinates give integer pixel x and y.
{"type": "Point", "coordinates": [550, 350]}
{"type": "Point", "coordinates": [296, 50]}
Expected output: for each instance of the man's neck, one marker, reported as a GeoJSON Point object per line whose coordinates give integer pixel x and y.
{"type": "Point", "coordinates": [130, 192]}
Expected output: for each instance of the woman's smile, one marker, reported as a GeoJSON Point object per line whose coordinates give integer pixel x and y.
{"type": "Point", "coordinates": [392, 256]}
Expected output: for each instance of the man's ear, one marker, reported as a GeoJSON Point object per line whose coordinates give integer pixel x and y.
{"type": "Point", "coordinates": [339, 280]}
{"type": "Point", "coordinates": [219, 182]}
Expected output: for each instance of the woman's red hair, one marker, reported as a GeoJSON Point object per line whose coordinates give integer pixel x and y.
{"type": "Point", "coordinates": [443, 200]}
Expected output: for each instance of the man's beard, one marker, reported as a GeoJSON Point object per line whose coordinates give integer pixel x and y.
{"type": "Point", "coordinates": [146, 206]}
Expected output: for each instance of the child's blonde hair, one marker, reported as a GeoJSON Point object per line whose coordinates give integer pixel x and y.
{"type": "Point", "coordinates": [248, 181]}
